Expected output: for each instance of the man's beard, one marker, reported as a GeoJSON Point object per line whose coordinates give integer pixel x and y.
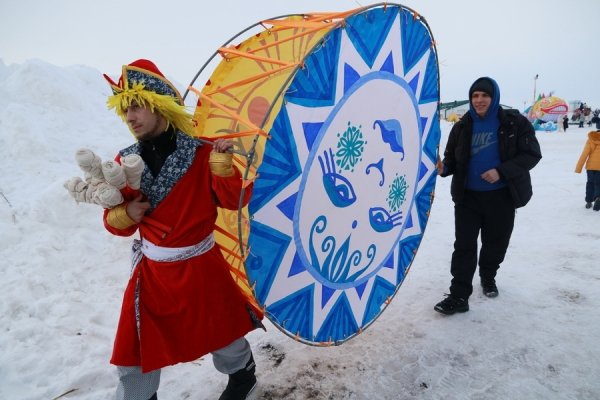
{"type": "Point", "coordinates": [150, 133]}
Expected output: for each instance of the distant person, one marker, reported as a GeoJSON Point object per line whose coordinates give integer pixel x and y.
{"type": "Point", "coordinates": [181, 301]}
{"type": "Point", "coordinates": [596, 119]}
{"type": "Point", "coordinates": [565, 123]}
{"type": "Point", "coordinates": [590, 156]}
{"type": "Point", "coordinates": [489, 154]}
{"type": "Point", "coordinates": [559, 125]}
{"type": "Point", "coordinates": [580, 115]}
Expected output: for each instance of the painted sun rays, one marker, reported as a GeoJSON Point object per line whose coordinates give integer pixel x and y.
{"type": "Point", "coordinates": [322, 274]}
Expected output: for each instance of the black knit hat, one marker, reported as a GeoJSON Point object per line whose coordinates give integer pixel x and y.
{"type": "Point", "coordinates": [482, 85]}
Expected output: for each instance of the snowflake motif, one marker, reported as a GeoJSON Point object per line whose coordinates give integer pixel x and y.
{"type": "Point", "coordinates": [397, 194]}
{"type": "Point", "coordinates": [350, 148]}
{"type": "Point", "coordinates": [151, 83]}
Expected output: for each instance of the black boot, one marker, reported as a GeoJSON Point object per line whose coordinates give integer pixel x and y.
{"type": "Point", "coordinates": [451, 305]}
{"type": "Point", "coordinates": [241, 383]}
{"type": "Point", "coordinates": [489, 287]}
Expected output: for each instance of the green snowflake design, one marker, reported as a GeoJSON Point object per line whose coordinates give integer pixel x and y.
{"type": "Point", "coordinates": [397, 194]}
{"type": "Point", "coordinates": [350, 148]}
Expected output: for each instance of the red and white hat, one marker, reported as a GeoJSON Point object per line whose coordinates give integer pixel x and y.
{"type": "Point", "coordinates": [141, 82]}
{"type": "Point", "coordinates": [146, 73]}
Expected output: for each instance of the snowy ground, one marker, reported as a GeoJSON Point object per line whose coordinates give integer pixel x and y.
{"type": "Point", "coordinates": [62, 277]}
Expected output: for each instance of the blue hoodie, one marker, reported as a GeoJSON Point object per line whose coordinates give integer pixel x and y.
{"type": "Point", "coordinates": [485, 153]}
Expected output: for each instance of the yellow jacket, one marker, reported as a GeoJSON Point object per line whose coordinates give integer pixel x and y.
{"type": "Point", "coordinates": [591, 153]}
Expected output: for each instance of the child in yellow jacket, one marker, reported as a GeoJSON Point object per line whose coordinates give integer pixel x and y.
{"type": "Point", "coordinates": [591, 157]}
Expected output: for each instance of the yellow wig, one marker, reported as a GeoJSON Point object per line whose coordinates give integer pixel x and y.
{"type": "Point", "coordinates": [142, 83]}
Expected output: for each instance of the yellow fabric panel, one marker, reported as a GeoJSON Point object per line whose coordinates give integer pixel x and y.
{"type": "Point", "coordinates": [258, 100]}
{"type": "Point", "coordinates": [253, 100]}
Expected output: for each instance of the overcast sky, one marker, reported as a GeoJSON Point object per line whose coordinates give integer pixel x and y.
{"type": "Point", "coordinates": [510, 40]}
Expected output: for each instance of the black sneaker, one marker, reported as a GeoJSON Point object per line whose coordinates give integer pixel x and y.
{"type": "Point", "coordinates": [489, 288]}
{"type": "Point", "coordinates": [588, 204]}
{"type": "Point", "coordinates": [451, 305]}
{"type": "Point", "coordinates": [241, 383]}
{"type": "Point", "coordinates": [597, 204]}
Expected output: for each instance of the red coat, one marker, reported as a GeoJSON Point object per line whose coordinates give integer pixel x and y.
{"type": "Point", "coordinates": [187, 308]}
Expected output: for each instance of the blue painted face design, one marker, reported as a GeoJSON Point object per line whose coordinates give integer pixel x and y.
{"type": "Point", "coordinates": [366, 172]}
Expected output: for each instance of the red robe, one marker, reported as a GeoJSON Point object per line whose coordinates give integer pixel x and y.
{"type": "Point", "coordinates": [192, 307]}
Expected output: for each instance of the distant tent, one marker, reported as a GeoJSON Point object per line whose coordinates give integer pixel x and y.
{"type": "Point", "coordinates": [453, 118]}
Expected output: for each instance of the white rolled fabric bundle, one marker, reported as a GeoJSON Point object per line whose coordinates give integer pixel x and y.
{"type": "Point", "coordinates": [81, 191]}
{"type": "Point", "coordinates": [90, 163]}
{"type": "Point", "coordinates": [77, 189]}
{"type": "Point", "coordinates": [103, 194]}
{"type": "Point", "coordinates": [95, 189]}
{"type": "Point", "coordinates": [114, 174]}
{"type": "Point", "coordinates": [90, 192]}
{"type": "Point", "coordinates": [107, 195]}
{"type": "Point", "coordinates": [133, 166]}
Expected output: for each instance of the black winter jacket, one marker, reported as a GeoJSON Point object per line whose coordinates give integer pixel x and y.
{"type": "Point", "coordinates": [519, 152]}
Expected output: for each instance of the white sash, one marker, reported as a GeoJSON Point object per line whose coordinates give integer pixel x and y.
{"type": "Point", "coordinates": [146, 248]}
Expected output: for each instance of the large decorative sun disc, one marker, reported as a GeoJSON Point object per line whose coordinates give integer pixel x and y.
{"type": "Point", "coordinates": [344, 184]}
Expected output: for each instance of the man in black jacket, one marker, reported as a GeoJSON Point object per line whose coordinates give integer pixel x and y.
{"type": "Point", "coordinates": [489, 154]}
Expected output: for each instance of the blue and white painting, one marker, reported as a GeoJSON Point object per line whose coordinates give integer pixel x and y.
{"type": "Point", "coordinates": [347, 179]}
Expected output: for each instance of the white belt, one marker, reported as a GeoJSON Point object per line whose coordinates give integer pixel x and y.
{"type": "Point", "coordinates": [168, 254]}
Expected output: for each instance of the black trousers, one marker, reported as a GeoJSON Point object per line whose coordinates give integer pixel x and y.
{"type": "Point", "coordinates": [492, 214]}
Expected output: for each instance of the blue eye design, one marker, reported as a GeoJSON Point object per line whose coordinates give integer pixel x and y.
{"type": "Point", "coordinates": [339, 189]}
{"type": "Point", "coordinates": [382, 221]}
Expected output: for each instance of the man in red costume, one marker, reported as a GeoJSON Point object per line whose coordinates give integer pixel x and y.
{"type": "Point", "coordinates": [181, 301]}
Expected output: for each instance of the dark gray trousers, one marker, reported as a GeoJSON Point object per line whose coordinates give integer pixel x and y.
{"type": "Point", "coordinates": [135, 385]}
{"type": "Point", "coordinates": [592, 186]}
